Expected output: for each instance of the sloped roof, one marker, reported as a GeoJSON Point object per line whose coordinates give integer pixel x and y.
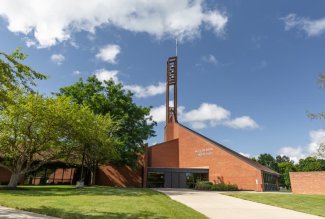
{"type": "Point", "coordinates": [243, 158]}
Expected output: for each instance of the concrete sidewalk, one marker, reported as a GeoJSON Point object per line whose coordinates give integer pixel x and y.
{"type": "Point", "coordinates": [216, 205]}
{"type": "Point", "coordinates": [17, 214]}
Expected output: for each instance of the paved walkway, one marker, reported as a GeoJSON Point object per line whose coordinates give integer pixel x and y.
{"type": "Point", "coordinates": [17, 214]}
{"type": "Point", "coordinates": [216, 205]}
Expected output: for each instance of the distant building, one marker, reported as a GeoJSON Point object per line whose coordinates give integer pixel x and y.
{"type": "Point", "coordinates": [186, 156]}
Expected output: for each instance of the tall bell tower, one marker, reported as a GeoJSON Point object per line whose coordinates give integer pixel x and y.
{"type": "Point", "coordinates": [171, 90]}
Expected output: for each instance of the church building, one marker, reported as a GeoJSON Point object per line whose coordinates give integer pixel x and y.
{"type": "Point", "coordinates": [186, 156]}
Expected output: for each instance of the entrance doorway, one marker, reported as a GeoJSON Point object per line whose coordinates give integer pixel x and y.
{"type": "Point", "coordinates": [175, 177]}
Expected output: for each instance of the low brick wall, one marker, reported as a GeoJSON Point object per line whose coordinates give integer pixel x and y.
{"type": "Point", "coordinates": [124, 176]}
{"type": "Point", "coordinates": [308, 182]}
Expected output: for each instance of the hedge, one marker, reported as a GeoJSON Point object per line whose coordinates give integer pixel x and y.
{"type": "Point", "coordinates": [206, 185]}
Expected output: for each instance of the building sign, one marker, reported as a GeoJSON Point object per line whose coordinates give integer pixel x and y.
{"type": "Point", "coordinates": [172, 70]}
{"type": "Point", "coordinates": [204, 152]}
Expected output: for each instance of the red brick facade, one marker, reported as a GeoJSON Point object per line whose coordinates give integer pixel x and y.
{"type": "Point", "coordinates": [108, 175]}
{"type": "Point", "coordinates": [185, 148]}
{"type": "Point", "coordinates": [4, 176]}
{"type": "Point", "coordinates": [124, 176]}
{"type": "Point", "coordinates": [308, 182]}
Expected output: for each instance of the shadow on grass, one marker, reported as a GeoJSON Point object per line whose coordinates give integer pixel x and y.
{"type": "Point", "coordinates": [55, 212]}
{"type": "Point", "coordinates": [71, 191]}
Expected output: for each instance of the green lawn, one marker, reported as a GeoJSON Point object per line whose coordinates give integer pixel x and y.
{"type": "Point", "coordinates": [95, 202]}
{"type": "Point", "coordinates": [311, 204]}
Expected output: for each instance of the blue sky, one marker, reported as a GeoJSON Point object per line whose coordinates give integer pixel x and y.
{"type": "Point", "coordinates": [247, 69]}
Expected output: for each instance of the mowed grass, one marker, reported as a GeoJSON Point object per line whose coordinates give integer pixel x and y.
{"type": "Point", "coordinates": [311, 204]}
{"type": "Point", "coordinates": [95, 202]}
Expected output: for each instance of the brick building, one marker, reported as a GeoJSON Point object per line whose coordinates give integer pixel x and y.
{"type": "Point", "coordinates": [186, 156]}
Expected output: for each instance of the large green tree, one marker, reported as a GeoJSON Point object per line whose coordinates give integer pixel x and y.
{"type": "Point", "coordinates": [32, 132]}
{"type": "Point", "coordinates": [35, 130]}
{"type": "Point", "coordinates": [92, 139]}
{"type": "Point", "coordinates": [135, 124]}
{"type": "Point", "coordinates": [14, 74]}
{"type": "Point", "coordinates": [284, 167]}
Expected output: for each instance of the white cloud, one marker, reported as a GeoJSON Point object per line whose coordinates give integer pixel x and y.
{"type": "Point", "coordinates": [245, 154]}
{"type": "Point", "coordinates": [158, 113]}
{"type": "Point", "coordinates": [106, 75]}
{"type": "Point", "coordinates": [138, 90]}
{"type": "Point", "coordinates": [198, 125]}
{"type": "Point", "coordinates": [57, 59]}
{"type": "Point", "coordinates": [207, 115]}
{"type": "Point", "coordinates": [317, 137]}
{"type": "Point", "coordinates": [109, 53]}
{"type": "Point", "coordinates": [53, 21]}
{"type": "Point", "coordinates": [295, 153]}
{"type": "Point", "coordinates": [310, 27]}
{"type": "Point", "coordinates": [242, 123]}
{"type": "Point", "coordinates": [206, 112]}
{"type": "Point", "coordinates": [210, 59]}
{"type": "Point", "coordinates": [76, 72]}
{"type": "Point", "coordinates": [148, 91]}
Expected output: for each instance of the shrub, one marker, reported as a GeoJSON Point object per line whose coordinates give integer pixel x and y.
{"type": "Point", "coordinates": [224, 187]}
{"type": "Point", "coordinates": [206, 185]}
{"type": "Point", "coordinates": [203, 185]}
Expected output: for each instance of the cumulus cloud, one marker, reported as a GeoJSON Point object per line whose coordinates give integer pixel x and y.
{"type": "Point", "coordinates": [242, 122]}
{"type": "Point", "coordinates": [57, 59]}
{"type": "Point", "coordinates": [53, 21]}
{"type": "Point", "coordinates": [138, 90]}
{"type": "Point", "coordinates": [206, 112]}
{"type": "Point", "coordinates": [109, 53]}
{"type": "Point", "coordinates": [106, 75]}
{"type": "Point", "coordinates": [148, 91]}
{"type": "Point", "coordinates": [317, 137]}
{"type": "Point", "coordinates": [76, 72]}
{"type": "Point", "coordinates": [158, 113]}
{"type": "Point", "coordinates": [198, 125]}
{"type": "Point", "coordinates": [310, 27]}
{"type": "Point", "coordinates": [210, 59]}
{"type": "Point", "coordinates": [206, 115]}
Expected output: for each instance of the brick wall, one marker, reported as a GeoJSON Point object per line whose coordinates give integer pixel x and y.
{"type": "Point", "coordinates": [164, 155]}
{"type": "Point", "coordinates": [61, 176]}
{"type": "Point", "coordinates": [121, 176]}
{"type": "Point", "coordinates": [308, 182]}
{"type": "Point", "coordinates": [4, 176]}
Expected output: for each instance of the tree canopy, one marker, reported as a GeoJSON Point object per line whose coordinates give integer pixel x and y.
{"type": "Point", "coordinates": [14, 74]}
{"type": "Point", "coordinates": [35, 130]}
{"type": "Point", "coordinates": [268, 161]}
{"type": "Point", "coordinates": [135, 124]}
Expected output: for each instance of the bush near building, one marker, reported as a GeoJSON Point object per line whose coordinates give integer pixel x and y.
{"type": "Point", "coordinates": [209, 186]}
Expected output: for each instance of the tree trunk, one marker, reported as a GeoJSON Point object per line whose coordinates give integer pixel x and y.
{"type": "Point", "coordinates": [93, 170]}
{"type": "Point", "coordinates": [14, 180]}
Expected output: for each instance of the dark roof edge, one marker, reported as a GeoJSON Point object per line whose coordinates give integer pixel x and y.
{"type": "Point", "coordinates": [243, 158]}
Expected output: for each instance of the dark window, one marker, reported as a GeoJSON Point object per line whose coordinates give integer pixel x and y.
{"type": "Point", "coordinates": [269, 182]}
{"type": "Point", "coordinates": [155, 180]}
